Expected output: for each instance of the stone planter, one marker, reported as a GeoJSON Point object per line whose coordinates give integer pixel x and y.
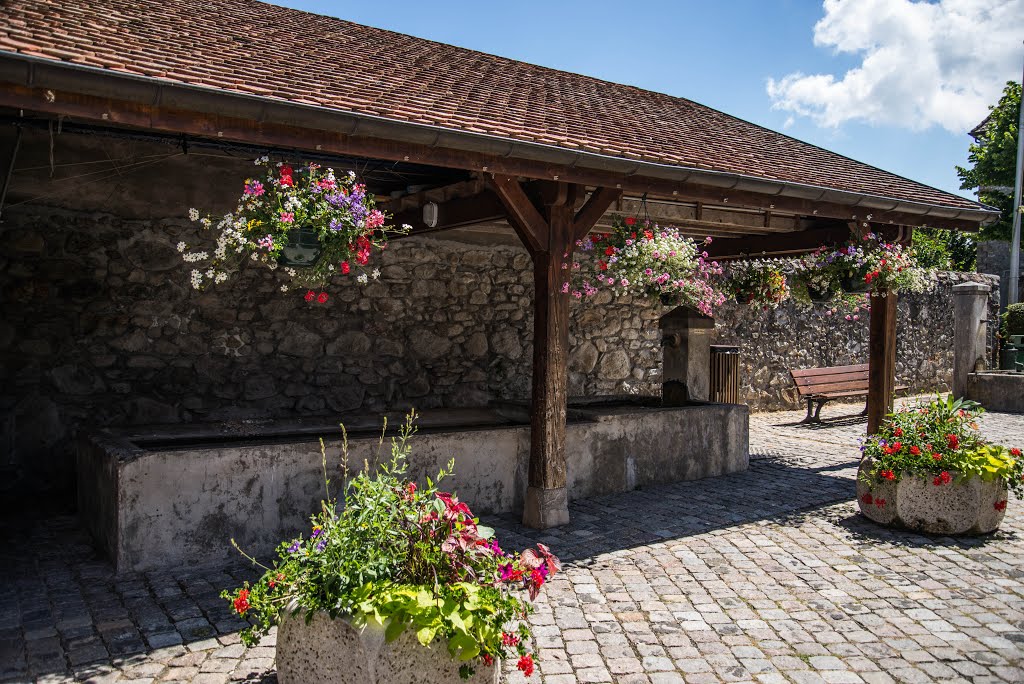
{"type": "Point", "coordinates": [916, 503]}
{"type": "Point", "coordinates": [334, 651]}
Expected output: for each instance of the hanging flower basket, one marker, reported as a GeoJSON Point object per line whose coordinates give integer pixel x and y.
{"type": "Point", "coordinates": [313, 223]}
{"type": "Point", "coordinates": [854, 283]}
{"type": "Point", "coordinates": [645, 260]}
{"type": "Point", "coordinates": [303, 249]}
{"type": "Point", "coordinates": [758, 281]}
{"type": "Point", "coordinates": [819, 296]}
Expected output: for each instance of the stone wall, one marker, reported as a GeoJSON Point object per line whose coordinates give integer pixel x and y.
{"type": "Point", "coordinates": [100, 327]}
{"type": "Point", "coordinates": [775, 341]}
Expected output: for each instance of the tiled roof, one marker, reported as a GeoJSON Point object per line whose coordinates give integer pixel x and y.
{"type": "Point", "coordinates": [260, 49]}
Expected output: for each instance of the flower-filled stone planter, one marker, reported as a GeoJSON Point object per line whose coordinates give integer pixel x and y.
{"type": "Point", "coordinates": [928, 469]}
{"type": "Point", "coordinates": [335, 651]}
{"type": "Point", "coordinates": [397, 583]}
{"type": "Point", "coordinates": [916, 502]}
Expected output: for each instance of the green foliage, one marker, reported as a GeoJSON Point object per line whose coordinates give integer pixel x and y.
{"type": "Point", "coordinates": [993, 162]}
{"type": "Point", "coordinates": [945, 250]}
{"type": "Point", "coordinates": [1013, 319]}
{"type": "Point", "coordinates": [939, 440]}
{"type": "Point", "coordinates": [758, 281]}
{"type": "Point", "coordinates": [404, 557]}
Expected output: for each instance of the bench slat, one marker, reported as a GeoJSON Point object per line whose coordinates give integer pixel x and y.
{"type": "Point", "coordinates": [827, 387]}
{"type": "Point", "coordinates": [811, 372]}
{"type": "Point", "coordinates": [826, 379]}
{"type": "Point", "coordinates": [856, 393]}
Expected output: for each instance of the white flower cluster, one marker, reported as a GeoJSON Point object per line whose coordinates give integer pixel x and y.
{"type": "Point", "coordinates": [292, 204]}
{"type": "Point", "coordinates": [197, 279]}
{"type": "Point", "coordinates": [193, 257]}
{"type": "Point", "coordinates": [181, 246]}
{"type": "Point", "coordinates": [375, 273]}
{"type": "Point", "coordinates": [193, 214]}
{"type": "Point", "coordinates": [261, 160]}
{"type": "Point", "coordinates": [361, 279]}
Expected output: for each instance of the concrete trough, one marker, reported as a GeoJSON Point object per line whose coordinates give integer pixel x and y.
{"type": "Point", "coordinates": [176, 495]}
{"type": "Point", "coordinates": [997, 390]}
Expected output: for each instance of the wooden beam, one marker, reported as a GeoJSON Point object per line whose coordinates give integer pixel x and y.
{"type": "Point", "coordinates": [455, 213]}
{"type": "Point", "coordinates": [214, 125]}
{"type": "Point", "coordinates": [522, 214]}
{"type": "Point", "coordinates": [881, 359]}
{"type": "Point", "coordinates": [796, 242]}
{"type": "Point", "coordinates": [597, 204]}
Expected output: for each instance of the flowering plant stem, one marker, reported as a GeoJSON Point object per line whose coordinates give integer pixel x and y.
{"type": "Point", "coordinates": [405, 557]}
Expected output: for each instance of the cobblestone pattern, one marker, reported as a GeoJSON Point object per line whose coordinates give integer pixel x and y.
{"type": "Point", "coordinates": [768, 575]}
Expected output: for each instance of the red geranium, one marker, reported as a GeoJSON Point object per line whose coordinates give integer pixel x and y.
{"type": "Point", "coordinates": [526, 665]}
{"type": "Point", "coordinates": [242, 602]}
{"type": "Point", "coordinates": [286, 176]}
{"type": "Point", "coordinates": [309, 295]}
{"type": "Point", "coordinates": [630, 221]}
{"type": "Point", "coordinates": [322, 298]}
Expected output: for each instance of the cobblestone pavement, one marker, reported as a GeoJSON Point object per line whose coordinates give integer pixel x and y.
{"type": "Point", "coordinates": [768, 575]}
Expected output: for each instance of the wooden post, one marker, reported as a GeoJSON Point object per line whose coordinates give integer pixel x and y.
{"type": "Point", "coordinates": [881, 359]}
{"type": "Point", "coordinates": [550, 238]}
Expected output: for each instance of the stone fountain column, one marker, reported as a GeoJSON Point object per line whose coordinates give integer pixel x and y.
{"type": "Point", "coordinates": [686, 338]}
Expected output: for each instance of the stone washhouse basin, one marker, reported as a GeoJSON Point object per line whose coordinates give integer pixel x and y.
{"type": "Point", "coordinates": [916, 503]}
{"type": "Point", "coordinates": [173, 495]}
{"type": "Point", "coordinates": [336, 652]}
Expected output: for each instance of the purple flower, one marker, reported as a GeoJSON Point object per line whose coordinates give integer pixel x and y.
{"type": "Point", "coordinates": [317, 531]}
{"type": "Point", "coordinates": [321, 545]}
{"type": "Point", "coordinates": [294, 548]}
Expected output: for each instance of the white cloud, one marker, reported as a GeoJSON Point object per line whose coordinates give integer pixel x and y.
{"type": "Point", "coordinates": [922, 64]}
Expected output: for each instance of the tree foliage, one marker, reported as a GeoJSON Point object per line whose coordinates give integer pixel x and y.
{"type": "Point", "coordinates": [993, 160]}
{"type": "Point", "coordinates": [945, 250]}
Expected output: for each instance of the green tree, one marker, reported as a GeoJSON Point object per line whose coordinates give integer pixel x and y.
{"type": "Point", "coordinates": [945, 250]}
{"type": "Point", "coordinates": [993, 160]}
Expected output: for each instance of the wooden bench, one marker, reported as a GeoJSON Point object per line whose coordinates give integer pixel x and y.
{"type": "Point", "coordinates": [821, 385]}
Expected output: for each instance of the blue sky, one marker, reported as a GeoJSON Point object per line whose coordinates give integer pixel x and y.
{"type": "Point", "coordinates": [893, 83]}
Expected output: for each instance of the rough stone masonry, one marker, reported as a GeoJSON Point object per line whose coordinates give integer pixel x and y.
{"type": "Point", "coordinates": [100, 327]}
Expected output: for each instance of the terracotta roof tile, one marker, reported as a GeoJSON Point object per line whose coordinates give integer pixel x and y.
{"type": "Point", "coordinates": [253, 47]}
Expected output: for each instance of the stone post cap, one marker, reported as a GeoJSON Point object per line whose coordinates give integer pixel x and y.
{"type": "Point", "coordinates": [971, 288]}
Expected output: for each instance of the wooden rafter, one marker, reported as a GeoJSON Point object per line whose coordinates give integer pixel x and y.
{"type": "Point", "coordinates": [522, 213]}
{"type": "Point", "coordinates": [597, 204]}
{"type": "Point", "coordinates": [216, 125]}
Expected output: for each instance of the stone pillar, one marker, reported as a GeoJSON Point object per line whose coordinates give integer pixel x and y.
{"type": "Point", "coordinates": [970, 310]}
{"type": "Point", "coordinates": [686, 339]}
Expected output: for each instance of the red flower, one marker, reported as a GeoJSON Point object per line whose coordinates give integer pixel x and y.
{"type": "Point", "coordinates": [888, 475]}
{"type": "Point", "coordinates": [345, 268]}
{"type": "Point", "coordinates": [526, 662]}
{"type": "Point", "coordinates": [946, 477]}
{"type": "Point", "coordinates": [242, 602]}
{"type": "Point", "coordinates": [937, 457]}
{"type": "Point", "coordinates": [322, 298]}
{"type": "Point", "coordinates": [609, 250]}
{"type": "Point", "coordinates": [286, 176]}
{"type": "Point", "coordinates": [649, 235]}
{"type": "Point", "coordinates": [1000, 505]}
{"type": "Point", "coordinates": [488, 659]}
{"type": "Point", "coordinates": [867, 499]}
{"type": "Point", "coordinates": [1015, 451]}
{"type": "Point", "coordinates": [896, 447]}
{"type": "Point", "coordinates": [509, 639]}
{"type": "Point", "coordinates": [603, 265]}
{"type": "Point", "coordinates": [915, 451]}
{"type": "Point", "coordinates": [309, 295]}
{"type": "Point", "coordinates": [937, 481]}
{"type": "Point", "coordinates": [898, 432]}
{"type": "Point", "coordinates": [953, 441]}
{"type": "Point", "coordinates": [630, 221]}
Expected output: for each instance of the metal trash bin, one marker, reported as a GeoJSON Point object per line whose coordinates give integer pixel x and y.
{"type": "Point", "coordinates": [725, 374]}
